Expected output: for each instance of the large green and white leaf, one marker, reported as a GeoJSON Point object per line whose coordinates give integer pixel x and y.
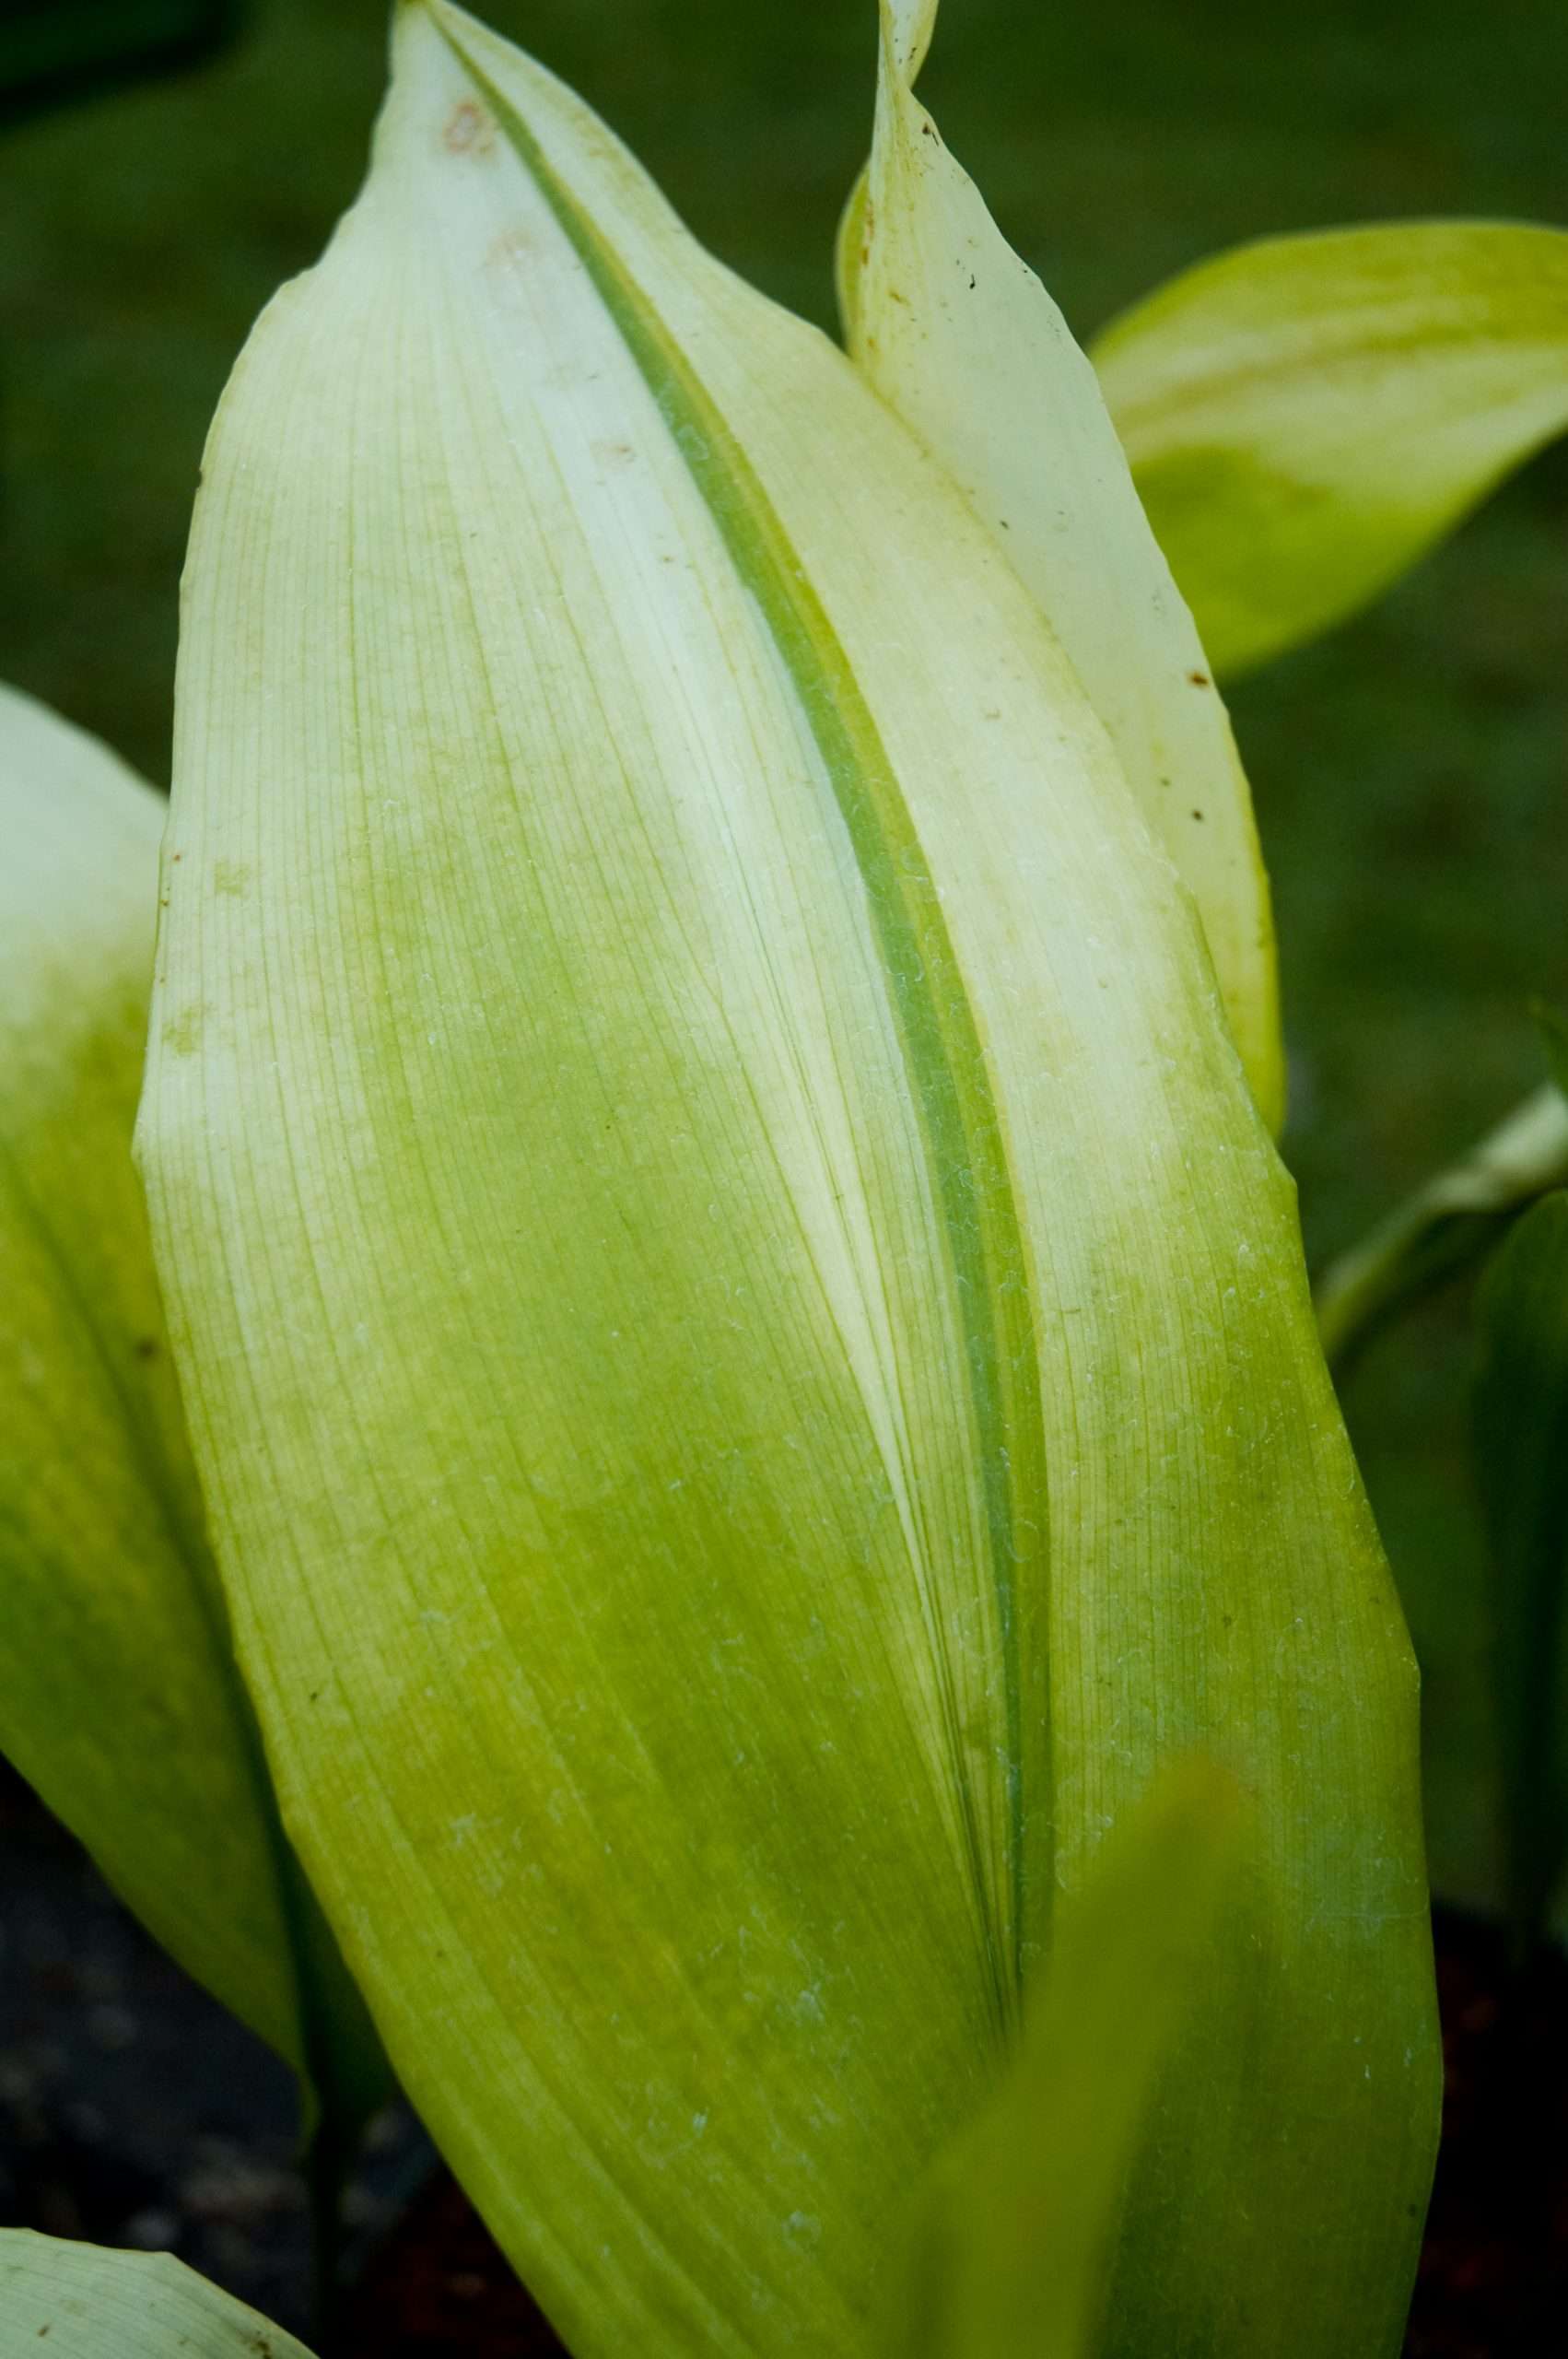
{"type": "Point", "coordinates": [1015, 2238]}
{"type": "Point", "coordinates": [87, 2303]}
{"type": "Point", "coordinates": [746, 1344]}
{"type": "Point", "coordinates": [961, 338]}
{"type": "Point", "coordinates": [1306, 416]}
{"type": "Point", "coordinates": [119, 1695]}
{"type": "Point", "coordinates": [1521, 1430]}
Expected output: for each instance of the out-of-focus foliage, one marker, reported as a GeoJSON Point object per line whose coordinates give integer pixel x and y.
{"type": "Point", "coordinates": [1447, 1227]}
{"type": "Point", "coordinates": [1307, 415]}
{"type": "Point", "coordinates": [1521, 1424]}
{"type": "Point", "coordinates": [54, 52]}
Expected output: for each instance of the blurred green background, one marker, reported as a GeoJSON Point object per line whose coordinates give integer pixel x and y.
{"type": "Point", "coordinates": [1410, 774]}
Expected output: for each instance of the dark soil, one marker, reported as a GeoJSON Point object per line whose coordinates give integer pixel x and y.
{"type": "Point", "coordinates": [439, 2290]}
{"type": "Point", "coordinates": [1494, 2280]}
{"type": "Point", "coordinates": [134, 2112]}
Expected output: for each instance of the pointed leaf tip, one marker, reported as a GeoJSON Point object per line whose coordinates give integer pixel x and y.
{"type": "Point", "coordinates": [965, 343]}
{"type": "Point", "coordinates": [1017, 2230]}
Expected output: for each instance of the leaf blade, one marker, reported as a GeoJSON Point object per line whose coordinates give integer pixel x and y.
{"type": "Point", "coordinates": [119, 1697]}
{"type": "Point", "coordinates": [965, 343]}
{"type": "Point", "coordinates": [93, 2304]}
{"type": "Point", "coordinates": [575, 1338]}
{"type": "Point", "coordinates": [1307, 416]}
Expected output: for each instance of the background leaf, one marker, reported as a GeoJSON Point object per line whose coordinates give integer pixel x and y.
{"type": "Point", "coordinates": [87, 2303]}
{"type": "Point", "coordinates": [1307, 416]}
{"type": "Point", "coordinates": [119, 1695]}
{"type": "Point", "coordinates": [1446, 1227]}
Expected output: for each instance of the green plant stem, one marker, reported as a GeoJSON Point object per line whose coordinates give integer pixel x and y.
{"type": "Point", "coordinates": [1446, 1228]}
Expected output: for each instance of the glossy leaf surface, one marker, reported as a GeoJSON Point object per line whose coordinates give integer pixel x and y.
{"type": "Point", "coordinates": [82, 2302]}
{"type": "Point", "coordinates": [1307, 416]}
{"type": "Point", "coordinates": [119, 1695]}
{"type": "Point", "coordinates": [1521, 1429]}
{"type": "Point", "coordinates": [961, 340]}
{"type": "Point", "coordinates": [711, 1219]}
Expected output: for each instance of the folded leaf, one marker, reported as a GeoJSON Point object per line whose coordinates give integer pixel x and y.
{"type": "Point", "coordinates": [711, 1220]}
{"type": "Point", "coordinates": [1307, 415]}
{"type": "Point", "coordinates": [1521, 1429]}
{"type": "Point", "coordinates": [91, 2304]}
{"type": "Point", "coordinates": [119, 1695]}
{"type": "Point", "coordinates": [1016, 2236]}
{"type": "Point", "coordinates": [959, 337]}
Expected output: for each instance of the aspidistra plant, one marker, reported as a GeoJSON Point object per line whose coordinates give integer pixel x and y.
{"type": "Point", "coordinates": [742, 1330]}
{"type": "Point", "coordinates": [708, 1142]}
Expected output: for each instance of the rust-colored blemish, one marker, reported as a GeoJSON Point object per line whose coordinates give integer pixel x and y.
{"type": "Point", "coordinates": [469, 129]}
{"type": "Point", "coordinates": [1200, 679]}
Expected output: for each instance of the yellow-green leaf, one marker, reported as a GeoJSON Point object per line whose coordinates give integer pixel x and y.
{"type": "Point", "coordinates": [746, 1344]}
{"type": "Point", "coordinates": [961, 340]}
{"type": "Point", "coordinates": [119, 1695]}
{"type": "Point", "coordinates": [1307, 416]}
{"type": "Point", "coordinates": [1016, 2234]}
{"type": "Point", "coordinates": [85, 2302]}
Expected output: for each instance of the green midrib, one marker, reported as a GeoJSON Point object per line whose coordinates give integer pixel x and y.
{"type": "Point", "coordinates": [966, 1152]}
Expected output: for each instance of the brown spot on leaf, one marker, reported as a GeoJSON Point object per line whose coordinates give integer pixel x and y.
{"type": "Point", "coordinates": [1200, 679]}
{"type": "Point", "coordinates": [145, 1348]}
{"type": "Point", "coordinates": [469, 129]}
{"type": "Point", "coordinates": [514, 246]}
